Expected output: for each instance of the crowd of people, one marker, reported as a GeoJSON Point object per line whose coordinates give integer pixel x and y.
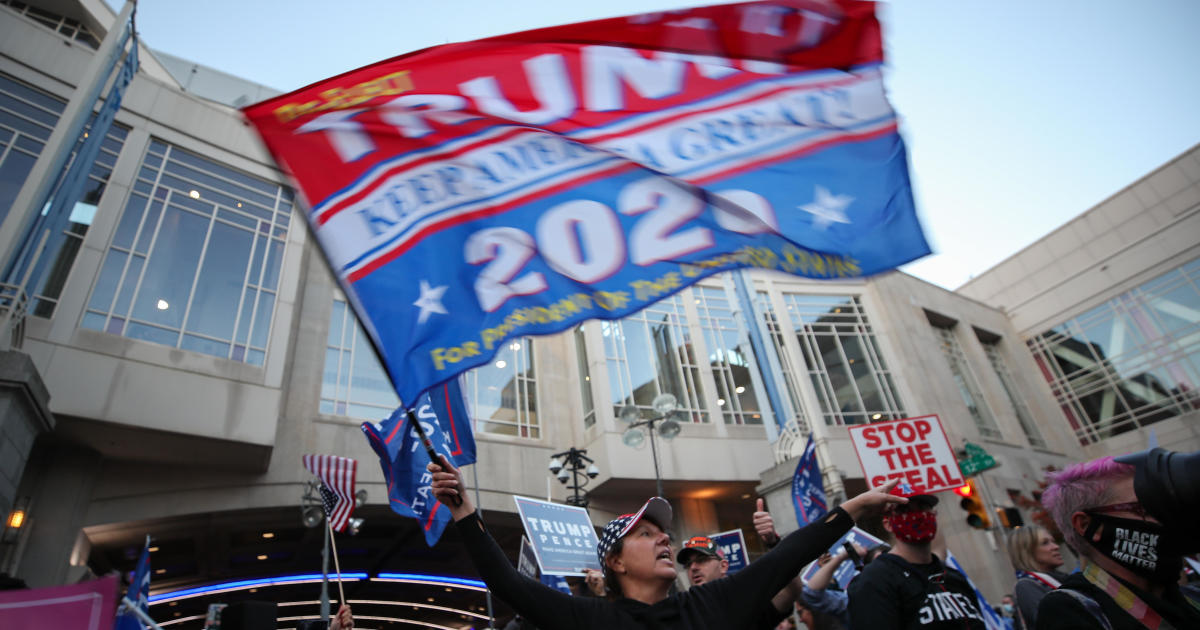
{"type": "Point", "coordinates": [1125, 518]}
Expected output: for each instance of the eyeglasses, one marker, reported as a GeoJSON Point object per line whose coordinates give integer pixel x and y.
{"type": "Point", "coordinates": [1133, 506]}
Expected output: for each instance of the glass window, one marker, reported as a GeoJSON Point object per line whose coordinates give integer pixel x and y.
{"type": "Point", "coordinates": [964, 380]}
{"type": "Point", "coordinates": [1024, 417]}
{"type": "Point", "coordinates": [502, 394]}
{"type": "Point", "coordinates": [585, 375]}
{"type": "Point", "coordinates": [191, 264]}
{"type": "Point", "coordinates": [729, 357]}
{"type": "Point", "coordinates": [71, 29]}
{"type": "Point", "coordinates": [27, 117]}
{"type": "Point", "coordinates": [1130, 362]}
{"type": "Point", "coordinates": [767, 312]}
{"type": "Point", "coordinates": [844, 365]}
{"type": "Point", "coordinates": [650, 353]}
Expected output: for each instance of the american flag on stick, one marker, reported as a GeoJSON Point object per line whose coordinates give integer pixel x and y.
{"type": "Point", "coordinates": [337, 486]}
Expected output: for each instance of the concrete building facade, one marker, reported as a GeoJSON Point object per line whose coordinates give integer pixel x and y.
{"type": "Point", "coordinates": [193, 345]}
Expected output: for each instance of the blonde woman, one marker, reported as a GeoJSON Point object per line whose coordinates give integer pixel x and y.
{"type": "Point", "coordinates": [1036, 557]}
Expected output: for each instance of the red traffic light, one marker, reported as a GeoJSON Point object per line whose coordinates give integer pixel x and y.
{"type": "Point", "coordinates": [964, 491]}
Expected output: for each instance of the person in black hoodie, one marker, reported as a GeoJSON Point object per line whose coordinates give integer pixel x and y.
{"type": "Point", "coordinates": [908, 587]}
{"type": "Point", "coordinates": [639, 566]}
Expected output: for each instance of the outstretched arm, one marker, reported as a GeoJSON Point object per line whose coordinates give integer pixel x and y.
{"type": "Point", "coordinates": [545, 607]}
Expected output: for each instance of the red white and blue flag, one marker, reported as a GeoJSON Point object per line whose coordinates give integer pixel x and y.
{"type": "Point", "coordinates": [443, 415]}
{"type": "Point", "coordinates": [470, 193]}
{"type": "Point", "coordinates": [337, 475]}
{"type": "Point", "coordinates": [808, 491]}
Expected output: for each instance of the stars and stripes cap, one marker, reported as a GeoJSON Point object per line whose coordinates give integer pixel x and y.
{"type": "Point", "coordinates": [698, 545]}
{"type": "Point", "coordinates": [656, 509]}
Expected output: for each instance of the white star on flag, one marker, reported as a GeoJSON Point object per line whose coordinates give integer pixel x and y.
{"type": "Point", "coordinates": [827, 208]}
{"type": "Point", "coordinates": [430, 301]}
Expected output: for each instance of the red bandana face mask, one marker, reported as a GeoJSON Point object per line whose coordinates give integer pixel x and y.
{"type": "Point", "coordinates": [914, 527]}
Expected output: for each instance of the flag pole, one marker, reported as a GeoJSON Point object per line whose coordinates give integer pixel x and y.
{"type": "Point", "coordinates": [336, 566]}
{"type": "Point", "coordinates": [139, 613]}
{"type": "Point", "coordinates": [325, 578]}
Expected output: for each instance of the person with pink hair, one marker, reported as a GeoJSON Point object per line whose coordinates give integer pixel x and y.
{"type": "Point", "coordinates": [1131, 562]}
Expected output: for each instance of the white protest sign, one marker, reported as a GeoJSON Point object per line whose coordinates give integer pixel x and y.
{"type": "Point", "coordinates": [563, 537]}
{"type": "Point", "coordinates": [913, 450]}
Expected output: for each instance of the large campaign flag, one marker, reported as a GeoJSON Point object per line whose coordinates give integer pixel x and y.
{"type": "Point", "coordinates": [469, 193]}
{"type": "Point", "coordinates": [138, 595]}
{"type": "Point", "coordinates": [443, 415]}
{"type": "Point", "coordinates": [808, 491]}
{"type": "Point", "coordinates": [337, 475]}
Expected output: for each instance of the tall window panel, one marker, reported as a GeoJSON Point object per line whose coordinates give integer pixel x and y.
{"type": "Point", "coordinates": [1130, 362]}
{"type": "Point", "coordinates": [585, 377]}
{"type": "Point", "coordinates": [1024, 417]}
{"type": "Point", "coordinates": [844, 364]}
{"type": "Point", "coordinates": [651, 353]}
{"type": "Point", "coordinates": [965, 381]}
{"type": "Point", "coordinates": [502, 394]}
{"type": "Point", "coordinates": [354, 383]}
{"type": "Point", "coordinates": [729, 357]}
{"type": "Point", "coordinates": [27, 116]}
{"type": "Point", "coordinates": [762, 302]}
{"type": "Point", "coordinates": [195, 259]}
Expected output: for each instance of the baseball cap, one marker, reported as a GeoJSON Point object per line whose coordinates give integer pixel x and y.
{"type": "Point", "coordinates": [698, 545]}
{"type": "Point", "coordinates": [915, 502]}
{"type": "Point", "coordinates": [656, 509]}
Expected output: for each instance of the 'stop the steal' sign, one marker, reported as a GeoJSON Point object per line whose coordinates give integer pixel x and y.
{"type": "Point", "coordinates": [913, 450]}
{"type": "Point", "coordinates": [470, 193]}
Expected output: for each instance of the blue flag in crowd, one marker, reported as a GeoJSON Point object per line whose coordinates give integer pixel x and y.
{"type": "Point", "coordinates": [557, 582]}
{"type": "Point", "coordinates": [808, 493]}
{"type": "Point", "coordinates": [442, 412]}
{"type": "Point", "coordinates": [139, 593]}
{"type": "Point", "coordinates": [991, 618]}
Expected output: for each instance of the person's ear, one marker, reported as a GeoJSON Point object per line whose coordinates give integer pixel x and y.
{"type": "Point", "coordinates": [615, 563]}
{"type": "Point", "coordinates": [1080, 523]}
{"type": "Point", "coordinates": [724, 565]}
{"type": "Point", "coordinates": [887, 525]}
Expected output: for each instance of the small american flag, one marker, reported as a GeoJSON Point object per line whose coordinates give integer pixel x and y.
{"type": "Point", "coordinates": [337, 486]}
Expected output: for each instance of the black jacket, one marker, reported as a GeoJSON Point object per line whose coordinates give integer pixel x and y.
{"type": "Point", "coordinates": [893, 594]}
{"type": "Point", "coordinates": [1060, 610]}
{"type": "Point", "coordinates": [731, 603]}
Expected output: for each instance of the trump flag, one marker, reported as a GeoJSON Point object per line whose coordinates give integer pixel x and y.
{"type": "Point", "coordinates": [470, 193]}
{"type": "Point", "coordinates": [808, 491]}
{"type": "Point", "coordinates": [443, 415]}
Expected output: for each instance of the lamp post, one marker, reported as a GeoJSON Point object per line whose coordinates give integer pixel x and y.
{"type": "Point", "coordinates": [667, 408]}
{"type": "Point", "coordinates": [570, 466]}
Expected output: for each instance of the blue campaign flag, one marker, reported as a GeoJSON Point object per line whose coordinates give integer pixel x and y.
{"type": "Point", "coordinates": [808, 492]}
{"type": "Point", "coordinates": [139, 593]}
{"type": "Point", "coordinates": [590, 170]}
{"type": "Point", "coordinates": [443, 415]}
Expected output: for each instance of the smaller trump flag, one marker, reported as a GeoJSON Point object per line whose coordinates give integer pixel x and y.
{"type": "Point", "coordinates": [808, 493]}
{"type": "Point", "coordinates": [443, 415]}
{"type": "Point", "coordinates": [139, 593]}
{"type": "Point", "coordinates": [337, 476]}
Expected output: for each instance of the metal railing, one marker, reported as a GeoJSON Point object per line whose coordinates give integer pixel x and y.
{"type": "Point", "coordinates": [14, 304]}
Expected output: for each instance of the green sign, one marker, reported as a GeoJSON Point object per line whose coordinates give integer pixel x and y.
{"type": "Point", "coordinates": [976, 461]}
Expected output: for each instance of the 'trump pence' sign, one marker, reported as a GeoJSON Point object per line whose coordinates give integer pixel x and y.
{"type": "Point", "coordinates": [913, 450]}
{"type": "Point", "coordinates": [563, 538]}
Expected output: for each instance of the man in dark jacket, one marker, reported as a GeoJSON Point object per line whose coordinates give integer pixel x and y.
{"type": "Point", "coordinates": [908, 587]}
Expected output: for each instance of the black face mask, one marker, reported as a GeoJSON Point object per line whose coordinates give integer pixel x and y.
{"type": "Point", "coordinates": [1140, 546]}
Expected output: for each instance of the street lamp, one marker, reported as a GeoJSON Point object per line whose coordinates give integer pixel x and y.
{"type": "Point", "coordinates": [567, 467]}
{"type": "Point", "coordinates": [668, 414]}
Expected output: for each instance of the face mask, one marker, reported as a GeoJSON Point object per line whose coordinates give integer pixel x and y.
{"type": "Point", "coordinates": [1136, 545]}
{"type": "Point", "coordinates": [1007, 608]}
{"type": "Point", "coordinates": [914, 527]}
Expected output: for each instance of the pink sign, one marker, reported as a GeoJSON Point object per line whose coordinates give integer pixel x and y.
{"type": "Point", "coordinates": [87, 606]}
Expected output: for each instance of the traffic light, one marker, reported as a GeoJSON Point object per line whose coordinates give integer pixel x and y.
{"type": "Point", "coordinates": [1010, 517]}
{"type": "Point", "coordinates": [977, 515]}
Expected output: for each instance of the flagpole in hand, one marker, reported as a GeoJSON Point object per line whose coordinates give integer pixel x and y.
{"type": "Point", "coordinates": [433, 454]}
{"type": "Point", "coordinates": [336, 565]}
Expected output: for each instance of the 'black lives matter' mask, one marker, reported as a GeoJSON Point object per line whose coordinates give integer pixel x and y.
{"type": "Point", "coordinates": [1136, 545]}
